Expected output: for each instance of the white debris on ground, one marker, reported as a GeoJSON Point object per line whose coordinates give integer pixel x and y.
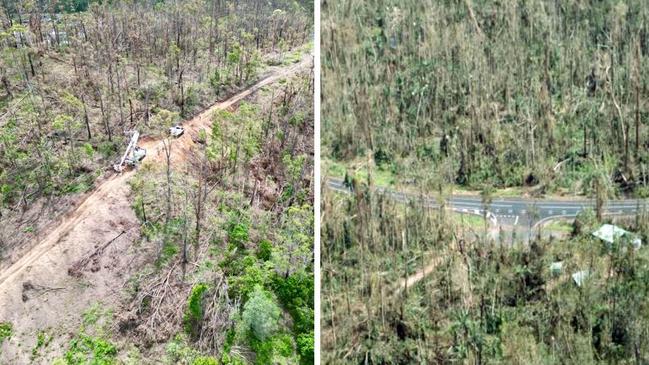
{"type": "Point", "coordinates": [556, 267]}
{"type": "Point", "coordinates": [580, 277]}
{"type": "Point", "coordinates": [610, 233]}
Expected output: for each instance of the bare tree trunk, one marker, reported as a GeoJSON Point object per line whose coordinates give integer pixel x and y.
{"type": "Point", "coordinates": [119, 96]}
{"type": "Point", "coordinates": [167, 149]}
{"type": "Point", "coordinates": [86, 119]}
{"type": "Point", "coordinates": [103, 116]}
{"type": "Point", "coordinates": [637, 102]}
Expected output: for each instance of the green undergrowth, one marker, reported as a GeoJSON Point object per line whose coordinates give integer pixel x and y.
{"type": "Point", "coordinates": [194, 313]}
{"type": "Point", "coordinates": [92, 345]}
{"type": "Point", "coordinates": [43, 340]}
{"type": "Point", "coordinates": [6, 331]}
{"type": "Point", "coordinates": [85, 349]}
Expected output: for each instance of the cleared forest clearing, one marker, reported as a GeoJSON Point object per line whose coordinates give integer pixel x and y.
{"type": "Point", "coordinates": [26, 300]}
{"type": "Point", "coordinates": [110, 199]}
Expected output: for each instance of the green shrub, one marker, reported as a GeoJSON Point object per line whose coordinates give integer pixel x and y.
{"type": "Point", "coordinates": [92, 315]}
{"type": "Point", "coordinates": [238, 234]}
{"type": "Point", "coordinates": [296, 294]}
{"type": "Point", "coordinates": [274, 350]}
{"type": "Point", "coordinates": [88, 149]}
{"type": "Point", "coordinates": [205, 360]}
{"type": "Point", "coordinates": [42, 341]}
{"type": "Point", "coordinates": [261, 314]}
{"type": "Point", "coordinates": [231, 264]}
{"type": "Point", "coordinates": [264, 250]}
{"type": "Point", "coordinates": [227, 359]}
{"type": "Point", "coordinates": [107, 149]}
{"type": "Point", "coordinates": [253, 276]}
{"type": "Point", "coordinates": [305, 347]}
{"type": "Point", "coordinates": [6, 330]}
{"type": "Point", "coordinates": [194, 313]}
{"type": "Point", "coordinates": [85, 349]}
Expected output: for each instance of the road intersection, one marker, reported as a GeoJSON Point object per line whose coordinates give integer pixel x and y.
{"type": "Point", "coordinates": [525, 212]}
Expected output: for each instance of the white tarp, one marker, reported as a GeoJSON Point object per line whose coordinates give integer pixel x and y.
{"type": "Point", "coordinates": [556, 267]}
{"type": "Point", "coordinates": [580, 277]}
{"type": "Point", "coordinates": [610, 233]}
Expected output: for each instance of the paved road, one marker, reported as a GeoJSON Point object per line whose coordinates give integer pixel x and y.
{"type": "Point", "coordinates": [512, 211]}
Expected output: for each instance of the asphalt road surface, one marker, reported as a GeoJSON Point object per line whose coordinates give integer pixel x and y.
{"type": "Point", "coordinates": [512, 211]}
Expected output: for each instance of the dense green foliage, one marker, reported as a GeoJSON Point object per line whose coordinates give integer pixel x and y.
{"type": "Point", "coordinates": [505, 93]}
{"type": "Point", "coordinates": [260, 314]}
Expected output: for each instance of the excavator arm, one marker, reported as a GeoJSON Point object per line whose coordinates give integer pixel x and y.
{"type": "Point", "coordinates": [119, 167]}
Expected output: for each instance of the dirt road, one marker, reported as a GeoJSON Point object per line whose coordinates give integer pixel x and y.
{"type": "Point", "coordinates": [36, 292]}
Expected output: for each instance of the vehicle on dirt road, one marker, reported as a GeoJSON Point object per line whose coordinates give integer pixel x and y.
{"type": "Point", "coordinates": [133, 154]}
{"type": "Point", "coordinates": [176, 131]}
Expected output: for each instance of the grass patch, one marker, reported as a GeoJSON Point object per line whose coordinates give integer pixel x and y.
{"type": "Point", "coordinates": [559, 225]}
{"type": "Point", "coordinates": [92, 315]}
{"type": "Point", "coordinates": [293, 57]}
{"type": "Point", "coordinates": [387, 176]}
{"type": "Point", "coordinates": [469, 220]}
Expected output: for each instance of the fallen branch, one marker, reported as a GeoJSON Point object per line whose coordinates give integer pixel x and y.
{"type": "Point", "coordinates": [473, 18]}
{"type": "Point", "coordinates": [558, 166]}
{"type": "Point", "coordinates": [41, 289]}
{"type": "Point", "coordinates": [77, 268]}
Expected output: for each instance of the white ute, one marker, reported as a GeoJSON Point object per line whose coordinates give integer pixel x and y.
{"type": "Point", "coordinates": [176, 131]}
{"type": "Point", "coordinates": [133, 154]}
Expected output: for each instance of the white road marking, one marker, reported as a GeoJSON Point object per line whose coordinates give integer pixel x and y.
{"type": "Point", "coordinates": [516, 221]}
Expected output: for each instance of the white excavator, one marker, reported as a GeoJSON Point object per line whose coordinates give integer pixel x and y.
{"type": "Point", "coordinates": [133, 154]}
